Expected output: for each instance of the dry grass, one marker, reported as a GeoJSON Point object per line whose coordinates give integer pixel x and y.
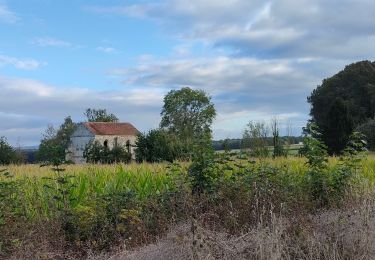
{"type": "Point", "coordinates": [329, 235]}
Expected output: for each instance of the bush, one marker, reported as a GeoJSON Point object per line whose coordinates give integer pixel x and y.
{"type": "Point", "coordinates": [158, 146]}
{"type": "Point", "coordinates": [97, 153]}
{"type": "Point", "coordinates": [368, 129]}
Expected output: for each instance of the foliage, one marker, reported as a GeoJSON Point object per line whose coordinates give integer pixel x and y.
{"type": "Point", "coordinates": [188, 114]}
{"type": "Point", "coordinates": [97, 153]}
{"type": "Point", "coordinates": [201, 170]}
{"type": "Point", "coordinates": [368, 130]}
{"type": "Point", "coordinates": [8, 154]}
{"type": "Point", "coordinates": [255, 139]}
{"type": "Point", "coordinates": [8, 192]}
{"type": "Point", "coordinates": [55, 142]}
{"type": "Point", "coordinates": [349, 164]}
{"type": "Point", "coordinates": [317, 158]}
{"type": "Point", "coordinates": [158, 145]}
{"type": "Point", "coordinates": [278, 149]}
{"type": "Point", "coordinates": [343, 102]}
{"type": "Point", "coordinates": [99, 115]}
{"type": "Point", "coordinates": [324, 187]}
{"type": "Point", "coordinates": [96, 207]}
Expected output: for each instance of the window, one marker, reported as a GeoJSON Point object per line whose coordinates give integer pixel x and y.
{"type": "Point", "coordinates": [106, 143]}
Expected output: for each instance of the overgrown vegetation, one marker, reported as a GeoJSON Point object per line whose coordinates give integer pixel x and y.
{"type": "Point", "coordinates": [159, 145]}
{"type": "Point", "coordinates": [95, 152]}
{"type": "Point", "coordinates": [91, 209]}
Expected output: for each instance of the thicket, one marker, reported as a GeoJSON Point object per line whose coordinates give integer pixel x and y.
{"type": "Point", "coordinates": [368, 130]}
{"type": "Point", "coordinates": [95, 152]}
{"type": "Point", "coordinates": [159, 145]}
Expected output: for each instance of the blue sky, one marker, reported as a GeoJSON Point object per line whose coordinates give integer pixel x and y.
{"type": "Point", "coordinates": [257, 59]}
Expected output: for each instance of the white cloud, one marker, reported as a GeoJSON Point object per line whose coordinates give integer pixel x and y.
{"type": "Point", "coordinates": [285, 28]}
{"type": "Point", "coordinates": [23, 64]}
{"type": "Point", "coordinates": [7, 15]}
{"type": "Point", "coordinates": [51, 42]}
{"type": "Point", "coordinates": [217, 75]}
{"type": "Point", "coordinates": [107, 49]}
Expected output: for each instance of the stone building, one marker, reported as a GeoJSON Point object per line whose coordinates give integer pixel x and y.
{"type": "Point", "coordinates": [107, 134]}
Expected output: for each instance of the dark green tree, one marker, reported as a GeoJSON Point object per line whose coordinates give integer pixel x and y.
{"type": "Point", "coordinates": [54, 143]}
{"type": "Point", "coordinates": [278, 149]}
{"type": "Point", "coordinates": [188, 114]}
{"type": "Point", "coordinates": [99, 115]}
{"type": "Point", "coordinates": [8, 154]}
{"type": "Point", "coordinates": [158, 145]}
{"type": "Point", "coordinates": [343, 102]}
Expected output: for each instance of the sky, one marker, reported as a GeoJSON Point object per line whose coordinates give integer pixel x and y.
{"type": "Point", "coordinates": [256, 59]}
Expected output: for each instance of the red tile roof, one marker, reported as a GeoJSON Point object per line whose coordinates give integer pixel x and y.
{"type": "Point", "coordinates": [104, 128]}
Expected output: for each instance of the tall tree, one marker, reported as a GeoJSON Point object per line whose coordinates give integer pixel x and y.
{"type": "Point", "coordinates": [255, 138]}
{"type": "Point", "coordinates": [188, 114]}
{"type": "Point", "coordinates": [278, 149]}
{"type": "Point", "coordinates": [55, 142]}
{"type": "Point", "coordinates": [342, 102]}
{"type": "Point", "coordinates": [8, 154]}
{"type": "Point", "coordinates": [99, 115]}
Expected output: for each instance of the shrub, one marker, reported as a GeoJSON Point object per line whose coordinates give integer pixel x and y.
{"type": "Point", "coordinates": [98, 153]}
{"type": "Point", "coordinates": [368, 130]}
{"type": "Point", "coordinates": [159, 146]}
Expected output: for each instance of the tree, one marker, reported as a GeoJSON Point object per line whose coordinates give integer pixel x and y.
{"type": "Point", "coordinates": [343, 102]}
{"type": "Point", "coordinates": [8, 154]}
{"type": "Point", "coordinates": [288, 137]}
{"type": "Point", "coordinates": [255, 139]}
{"type": "Point", "coordinates": [278, 149]}
{"type": "Point", "coordinates": [54, 143]}
{"type": "Point", "coordinates": [368, 130]}
{"type": "Point", "coordinates": [158, 145]}
{"type": "Point", "coordinates": [188, 114]}
{"type": "Point", "coordinates": [99, 115]}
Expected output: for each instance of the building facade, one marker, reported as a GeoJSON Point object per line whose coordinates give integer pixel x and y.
{"type": "Point", "coordinates": [107, 134]}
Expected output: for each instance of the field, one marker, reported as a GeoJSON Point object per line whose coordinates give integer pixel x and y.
{"type": "Point", "coordinates": [95, 211]}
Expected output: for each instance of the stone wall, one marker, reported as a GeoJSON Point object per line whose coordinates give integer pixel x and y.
{"type": "Point", "coordinates": [121, 141]}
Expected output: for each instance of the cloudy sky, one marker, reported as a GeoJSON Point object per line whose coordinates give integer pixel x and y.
{"type": "Point", "coordinates": [257, 59]}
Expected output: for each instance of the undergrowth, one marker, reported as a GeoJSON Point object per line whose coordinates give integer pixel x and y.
{"type": "Point", "coordinates": [94, 211]}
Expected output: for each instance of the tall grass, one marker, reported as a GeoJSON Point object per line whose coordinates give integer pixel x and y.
{"type": "Point", "coordinates": [138, 202]}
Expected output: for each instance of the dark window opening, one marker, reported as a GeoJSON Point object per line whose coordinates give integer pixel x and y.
{"type": "Point", "coordinates": [106, 143]}
{"type": "Point", "coordinates": [128, 146]}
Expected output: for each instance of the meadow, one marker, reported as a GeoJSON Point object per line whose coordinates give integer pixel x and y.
{"type": "Point", "coordinates": [83, 211]}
